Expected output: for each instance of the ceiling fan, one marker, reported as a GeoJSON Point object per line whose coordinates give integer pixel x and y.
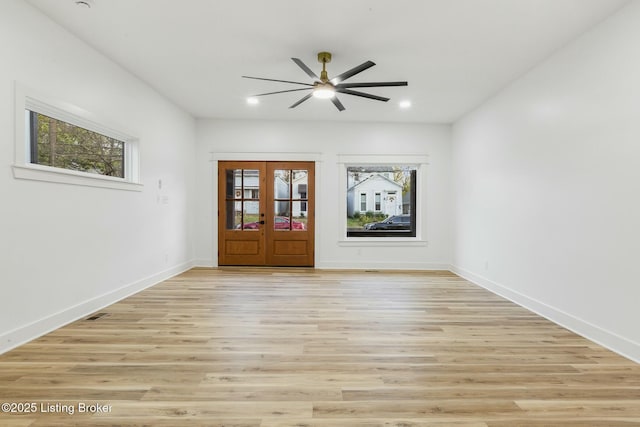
{"type": "Point", "coordinates": [325, 88]}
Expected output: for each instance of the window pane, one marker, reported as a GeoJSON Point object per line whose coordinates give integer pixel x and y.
{"type": "Point", "coordinates": [299, 214]}
{"type": "Point", "coordinates": [233, 214]}
{"type": "Point", "coordinates": [251, 183]}
{"type": "Point", "coordinates": [251, 215]}
{"type": "Point", "coordinates": [282, 214]}
{"type": "Point", "coordinates": [60, 144]}
{"type": "Point", "coordinates": [392, 192]}
{"type": "Point", "coordinates": [281, 183]}
{"type": "Point", "coordinates": [233, 184]}
{"type": "Point", "coordinates": [299, 182]}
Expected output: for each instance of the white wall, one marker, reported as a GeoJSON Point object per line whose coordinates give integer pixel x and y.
{"type": "Point", "coordinates": [67, 250]}
{"type": "Point", "coordinates": [327, 141]}
{"type": "Point", "coordinates": [547, 187]}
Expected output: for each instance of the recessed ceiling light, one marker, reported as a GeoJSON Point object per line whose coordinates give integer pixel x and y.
{"type": "Point", "coordinates": [84, 3]}
{"type": "Point", "coordinates": [404, 104]}
{"type": "Point", "coordinates": [253, 100]}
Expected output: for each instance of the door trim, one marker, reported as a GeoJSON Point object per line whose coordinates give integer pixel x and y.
{"type": "Point", "coordinates": [230, 156]}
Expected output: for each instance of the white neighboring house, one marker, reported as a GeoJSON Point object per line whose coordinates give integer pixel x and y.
{"type": "Point", "coordinates": [375, 193]}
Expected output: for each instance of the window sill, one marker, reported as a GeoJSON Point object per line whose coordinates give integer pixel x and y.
{"type": "Point", "coordinates": [63, 176]}
{"type": "Point", "coordinates": [382, 242]}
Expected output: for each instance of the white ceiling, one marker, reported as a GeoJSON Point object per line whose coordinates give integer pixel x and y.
{"type": "Point", "coordinates": [454, 53]}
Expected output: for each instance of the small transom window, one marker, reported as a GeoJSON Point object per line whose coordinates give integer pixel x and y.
{"type": "Point", "coordinates": [59, 142]}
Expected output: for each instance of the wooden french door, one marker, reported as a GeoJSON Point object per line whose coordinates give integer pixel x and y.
{"type": "Point", "coordinates": [265, 213]}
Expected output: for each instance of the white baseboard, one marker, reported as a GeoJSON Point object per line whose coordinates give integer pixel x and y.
{"type": "Point", "coordinates": [24, 334]}
{"type": "Point", "coordinates": [610, 340]}
{"type": "Point", "coordinates": [333, 265]}
{"type": "Point", "coordinates": [352, 265]}
{"type": "Point", "coordinates": [206, 263]}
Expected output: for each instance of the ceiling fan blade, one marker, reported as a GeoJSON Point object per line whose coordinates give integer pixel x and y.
{"type": "Point", "coordinates": [301, 101]}
{"type": "Point", "coordinates": [282, 91]}
{"type": "Point", "coordinates": [305, 68]}
{"type": "Point", "coordinates": [274, 80]}
{"type": "Point", "coordinates": [337, 103]}
{"type": "Point", "coordinates": [352, 72]}
{"type": "Point", "coordinates": [373, 84]}
{"type": "Point", "coordinates": [362, 94]}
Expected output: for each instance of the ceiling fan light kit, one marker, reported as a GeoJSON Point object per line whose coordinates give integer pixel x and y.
{"type": "Point", "coordinates": [324, 88]}
{"type": "Point", "coordinates": [324, 91]}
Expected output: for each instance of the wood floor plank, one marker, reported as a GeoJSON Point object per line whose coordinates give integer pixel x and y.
{"type": "Point", "coordinates": [370, 422]}
{"type": "Point", "coordinates": [445, 409]}
{"type": "Point", "coordinates": [157, 422]}
{"type": "Point", "coordinates": [264, 347]}
{"type": "Point", "coordinates": [564, 422]}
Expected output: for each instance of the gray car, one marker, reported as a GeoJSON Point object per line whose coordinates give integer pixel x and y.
{"type": "Point", "coordinates": [394, 222]}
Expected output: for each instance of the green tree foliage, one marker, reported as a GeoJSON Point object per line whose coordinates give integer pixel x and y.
{"type": "Point", "coordinates": [403, 177]}
{"type": "Point", "coordinates": [63, 145]}
{"type": "Point", "coordinates": [358, 220]}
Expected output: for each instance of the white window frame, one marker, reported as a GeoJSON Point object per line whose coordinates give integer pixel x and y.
{"type": "Point", "coordinates": [30, 100]}
{"type": "Point", "coordinates": [366, 205]}
{"type": "Point", "coordinates": [419, 161]}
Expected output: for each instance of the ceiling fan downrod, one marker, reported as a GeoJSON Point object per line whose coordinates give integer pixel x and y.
{"type": "Point", "coordinates": [324, 58]}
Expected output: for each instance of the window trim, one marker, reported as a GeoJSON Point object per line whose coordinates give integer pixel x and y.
{"type": "Point", "coordinates": [30, 100]}
{"type": "Point", "coordinates": [419, 161]}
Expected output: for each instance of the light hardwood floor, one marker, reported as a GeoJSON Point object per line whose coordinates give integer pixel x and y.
{"type": "Point", "coordinates": [302, 347]}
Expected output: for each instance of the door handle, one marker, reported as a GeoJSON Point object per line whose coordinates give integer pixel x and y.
{"type": "Point", "coordinates": [262, 222]}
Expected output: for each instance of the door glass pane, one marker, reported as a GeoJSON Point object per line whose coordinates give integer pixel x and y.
{"type": "Point", "coordinates": [242, 188]}
{"type": "Point", "coordinates": [251, 215]}
{"type": "Point", "coordinates": [237, 189]}
{"type": "Point", "coordinates": [251, 183]}
{"type": "Point", "coordinates": [282, 213]}
{"type": "Point", "coordinates": [233, 214]}
{"type": "Point", "coordinates": [299, 216]}
{"type": "Point", "coordinates": [281, 183]}
{"type": "Point", "coordinates": [299, 184]}
{"type": "Point", "coordinates": [233, 184]}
